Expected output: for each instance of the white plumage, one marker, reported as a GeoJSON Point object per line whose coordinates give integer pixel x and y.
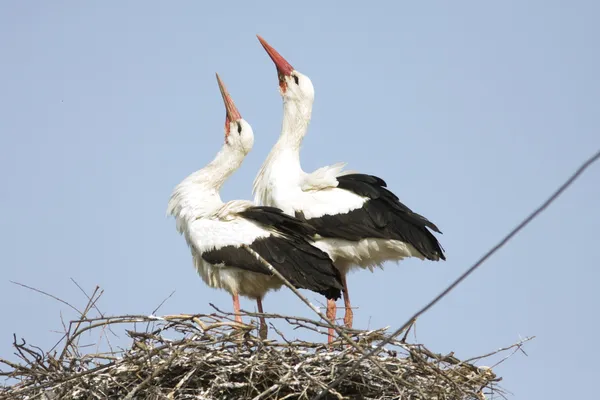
{"type": "Point", "coordinates": [208, 224]}
{"type": "Point", "coordinates": [224, 227]}
{"type": "Point", "coordinates": [215, 231]}
{"type": "Point", "coordinates": [360, 223]}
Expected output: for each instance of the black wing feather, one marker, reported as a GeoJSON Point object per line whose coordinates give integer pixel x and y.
{"type": "Point", "coordinates": [383, 216]}
{"type": "Point", "coordinates": [275, 218]}
{"type": "Point", "coordinates": [288, 250]}
{"type": "Point", "coordinates": [234, 256]}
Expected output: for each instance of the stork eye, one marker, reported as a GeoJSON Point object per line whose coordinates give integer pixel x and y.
{"type": "Point", "coordinates": [295, 78]}
{"type": "Point", "coordinates": [239, 128]}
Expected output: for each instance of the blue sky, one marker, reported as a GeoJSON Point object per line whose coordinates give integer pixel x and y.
{"type": "Point", "coordinates": [473, 112]}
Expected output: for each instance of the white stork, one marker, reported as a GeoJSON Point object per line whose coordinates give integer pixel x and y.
{"type": "Point", "coordinates": [215, 230]}
{"type": "Point", "coordinates": [359, 222]}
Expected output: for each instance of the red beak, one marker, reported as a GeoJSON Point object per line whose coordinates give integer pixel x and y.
{"type": "Point", "coordinates": [283, 67]}
{"type": "Point", "coordinates": [232, 113]}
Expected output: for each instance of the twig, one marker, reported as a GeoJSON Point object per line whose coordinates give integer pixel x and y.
{"type": "Point", "coordinates": [46, 294]}
{"type": "Point", "coordinates": [91, 303]}
{"type": "Point", "coordinates": [518, 345]}
{"type": "Point", "coordinates": [163, 302]}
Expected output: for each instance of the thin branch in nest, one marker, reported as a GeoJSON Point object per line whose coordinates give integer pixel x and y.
{"type": "Point", "coordinates": [93, 303]}
{"type": "Point", "coordinates": [518, 346]}
{"type": "Point", "coordinates": [47, 294]}
{"type": "Point", "coordinates": [163, 302]}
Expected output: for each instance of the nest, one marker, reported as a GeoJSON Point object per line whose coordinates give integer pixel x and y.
{"type": "Point", "coordinates": [210, 356]}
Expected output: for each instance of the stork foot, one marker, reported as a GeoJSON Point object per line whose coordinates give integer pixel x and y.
{"type": "Point", "coordinates": [236, 308]}
{"type": "Point", "coordinates": [348, 318]}
{"type": "Point", "coordinates": [331, 311]}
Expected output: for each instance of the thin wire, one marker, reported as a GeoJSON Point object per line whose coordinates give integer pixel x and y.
{"type": "Point", "coordinates": [487, 255]}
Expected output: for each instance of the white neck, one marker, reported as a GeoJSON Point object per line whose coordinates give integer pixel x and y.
{"type": "Point", "coordinates": [296, 117]}
{"type": "Point", "coordinates": [282, 166]}
{"type": "Point", "coordinates": [199, 192]}
{"type": "Point", "coordinates": [214, 175]}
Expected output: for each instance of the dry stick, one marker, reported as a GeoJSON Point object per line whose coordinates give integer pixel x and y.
{"type": "Point", "coordinates": [487, 255]}
{"type": "Point", "coordinates": [308, 303]}
{"type": "Point", "coordinates": [96, 308]}
{"type": "Point", "coordinates": [182, 382]}
{"type": "Point", "coordinates": [55, 298]}
{"type": "Point", "coordinates": [518, 345]}
{"type": "Point", "coordinates": [163, 302]}
{"type": "Point", "coordinates": [102, 333]}
{"type": "Point", "coordinates": [77, 333]}
{"type": "Point", "coordinates": [150, 377]}
{"type": "Point", "coordinates": [47, 294]}
{"type": "Point", "coordinates": [152, 324]}
{"type": "Point", "coordinates": [88, 297]}
{"type": "Point", "coordinates": [286, 317]}
{"type": "Point", "coordinates": [91, 303]}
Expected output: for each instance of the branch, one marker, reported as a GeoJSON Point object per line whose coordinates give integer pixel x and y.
{"type": "Point", "coordinates": [46, 294]}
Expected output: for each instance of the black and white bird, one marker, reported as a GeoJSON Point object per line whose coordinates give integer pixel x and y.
{"type": "Point", "coordinates": [359, 222]}
{"type": "Point", "coordinates": [215, 231]}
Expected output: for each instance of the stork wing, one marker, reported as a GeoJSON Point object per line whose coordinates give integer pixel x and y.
{"type": "Point", "coordinates": [219, 241]}
{"type": "Point", "coordinates": [290, 252]}
{"type": "Point", "coordinates": [375, 188]}
{"type": "Point", "coordinates": [381, 216]}
{"type": "Point", "coordinates": [280, 239]}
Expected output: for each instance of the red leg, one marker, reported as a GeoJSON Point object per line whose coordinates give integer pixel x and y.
{"type": "Point", "coordinates": [331, 311]}
{"type": "Point", "coordinates": [349, 317]}
{"type": "Point", "coordinates": [263, 330]}
{"type": "Point", "coordinates": [236, 308]}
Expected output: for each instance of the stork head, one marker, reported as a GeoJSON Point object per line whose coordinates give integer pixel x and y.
{"type": "Point", "coordinates": [293, 85]}
{"type": "Point", "coordinates": [238, 132]}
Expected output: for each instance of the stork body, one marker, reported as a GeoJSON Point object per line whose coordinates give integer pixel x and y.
{"type": "Point", "coordinates": [359, 222]}
{"type": "Point", "coordinates": [216, 231]}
